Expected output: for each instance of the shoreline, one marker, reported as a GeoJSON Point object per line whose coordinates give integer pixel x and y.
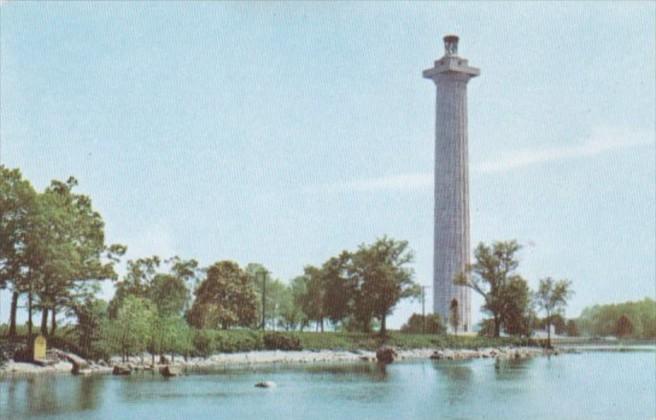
{"type": "Point", "coordinates": [271, 357]}
{"type": "Point", "coordinates": [303, 357]}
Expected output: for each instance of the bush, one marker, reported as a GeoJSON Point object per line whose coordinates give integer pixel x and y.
{"type": "Point", "coordinates": [280, 341]}
{"type": "Point", "coordinates": [203, 343]}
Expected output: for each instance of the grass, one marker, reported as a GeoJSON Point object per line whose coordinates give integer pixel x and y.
{"type": "Point", "coordinates": [208, 341]}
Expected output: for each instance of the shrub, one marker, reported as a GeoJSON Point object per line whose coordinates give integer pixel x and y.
{"type": "Point", "coordinates": [203, 343]}
{"type": "Point", "coordinates": [279, 341]}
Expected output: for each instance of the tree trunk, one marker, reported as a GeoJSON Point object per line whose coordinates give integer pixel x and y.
{"type": "Point", "coordinates": [44, 321]}
{"type": "Point", "coordinates": [383, 325]}
{"type": "Point", "coordinates": [29, 313]}
{"type": "Point", "coordinates": [497, 327]}
{"type": "Point", "coordinates": [321, 324]}
{"type": "Point", "coordinates": [53, 322]}
{"type": "Point", "coordinates": [12, 314]}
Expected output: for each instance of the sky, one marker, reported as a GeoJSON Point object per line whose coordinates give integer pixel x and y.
{"type": "Point", "coordinates": [283, 133]}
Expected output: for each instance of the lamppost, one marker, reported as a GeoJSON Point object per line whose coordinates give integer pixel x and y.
{"type": "Point", "coordinates": [262, 274]}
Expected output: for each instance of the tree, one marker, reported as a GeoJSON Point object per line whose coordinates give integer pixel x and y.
{"type": "Point", "coordinates": [170, 294]}
{"type": "Point", "coordinates": [624, 326]}
{"type": "Point", "coordinates": [517, 310]}
{"type": "Point", "coordinates": [430, 324]}
{"type": "Point", "coordinates": [572, 329]}
{"type": "Point", "coordinates": [338, 287]}
{"type": "Point", "coordinates": [312, 301]}
{"type": "Point", "coordinates": [490, 275]}
{"type": "Point", "coordinates": [601, 320]}
{"type": "Point", "coordinates": [454, 316]}
{"type": "Point", "coordinates": [66, 249]}
{"type": "Point", "coordinates": [91, 313]}
{"type": "Point", "coordinates": [552, 298]}
{"type": "Point", "coordinates": [138, 280]}
{"type": "Point", "coordinates": [382, 278]}
{"type": "Point", "coordinates": [298, 291]}
{"type": "Point", "coordinates": [17, 200]}
{"type": "Point", "coordinates": [132, 329]}
{"type": "Point", "coordinates": [224, 298]}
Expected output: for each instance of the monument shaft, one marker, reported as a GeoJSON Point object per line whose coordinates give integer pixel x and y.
{"type": "Point", "coordinates": [451, 228]}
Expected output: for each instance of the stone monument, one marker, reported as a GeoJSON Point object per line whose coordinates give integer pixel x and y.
{"type": "Point", "coordinates": [39, 349]}
{"type": "Point", "coordinates": [451, 229]}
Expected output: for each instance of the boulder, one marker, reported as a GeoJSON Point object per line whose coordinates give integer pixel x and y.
{"type": "Point", "coordinates": [169, 371]}
{"type": "Point", "coordinates": [122, 370]}
{"type": "Point", "coordinates": [265, 384]}
{"type": "Point", "coordinates": [386, 354]}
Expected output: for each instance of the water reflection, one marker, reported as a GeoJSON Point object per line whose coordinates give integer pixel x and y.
{"type": "Point", "coordinates": [459, 377]}
{"type": "Point", "coordinates": [511, 369]}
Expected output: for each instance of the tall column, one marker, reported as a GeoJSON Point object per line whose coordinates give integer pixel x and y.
{"type": "Point", "coordinates": [451, 229]}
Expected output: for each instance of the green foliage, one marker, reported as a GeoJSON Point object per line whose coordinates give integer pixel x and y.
{"type": "Point", "coordinates": [432, 324]}
{"type": "Point", "coordinates": [624, 327]}
{"type": "Point", "coordinates": [601, 320]}
{"type": "Point", "coordinates": [493, 277]}
{"type": "Point", "coordinates": [552, 297]}
{"type": "Point", "coordinates": [517, 313]}
{"type": "Point", "coordinates": [17, 204]}
{"type": "Point", "coordinates": [91, 314]}
{"type": "Point", "coordinates": [224, 299]}
{"type": "Point", "coordinates": [382, 278]}
{"type": "Point", "coordinates": [133, 328]}
{"type": "Point", "coordinates": [170, 294]}
{"type": "Point", "coordinates": [572, 328]}
{"type": "Point", "coordinates": [66, 249]}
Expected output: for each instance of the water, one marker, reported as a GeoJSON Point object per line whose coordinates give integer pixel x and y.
{"type": "Point", "coordinates": [595, 385]}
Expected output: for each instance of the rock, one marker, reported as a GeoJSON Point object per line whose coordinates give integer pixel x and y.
{"type": "Point", "coordinates": [386, 354]}
{"type": "Point", "coordinates": [122, 370]}
{"type": "Point", "coordinates": [170, 371]}
{"type": "Point", "coordinates": [437, 355]}
{"type": "Point", "coordinates": [265, 384]}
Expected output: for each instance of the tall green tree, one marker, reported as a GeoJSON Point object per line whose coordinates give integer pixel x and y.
{"type": "Point", "coordinates": [552, 297]}
{"type": "Point", "coordinates": [225, 298]}
{"type": "Point", "coordinates": [298, 288]}
{"type": "Point", "coordinates": [339, 288]}
{"type": "Point", "coordinates": [382, 277]}
{"type": "Point", "coordinates": [313, 299]}
{"type": "Point", "coordinates": [517, 309]}
{"type": "Point", "coordinates": [17, 200]}
{"type": "Point", "coordinates": [492, 273]}
{"type": "Point", "coordinates": [91, 314]}
{"type": "Point", "coordinates": [67, 254]}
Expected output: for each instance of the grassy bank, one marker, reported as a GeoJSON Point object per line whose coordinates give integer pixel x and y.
{"type": "Point", "coordinates": [207, 342]}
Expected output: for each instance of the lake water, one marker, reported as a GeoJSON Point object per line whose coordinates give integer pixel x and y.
{"type": "Point", "coordinates": [594, 385]}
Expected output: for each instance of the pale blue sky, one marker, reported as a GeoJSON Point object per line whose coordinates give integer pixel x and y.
{"type": "Point", "coordinates": [283, 133]}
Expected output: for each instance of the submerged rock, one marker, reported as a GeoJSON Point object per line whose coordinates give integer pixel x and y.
{"type": "Point", "coordinates": [265, 384]}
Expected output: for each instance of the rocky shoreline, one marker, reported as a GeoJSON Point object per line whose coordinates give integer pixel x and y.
{"type": "Point", "coordinates": [277, 357]}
